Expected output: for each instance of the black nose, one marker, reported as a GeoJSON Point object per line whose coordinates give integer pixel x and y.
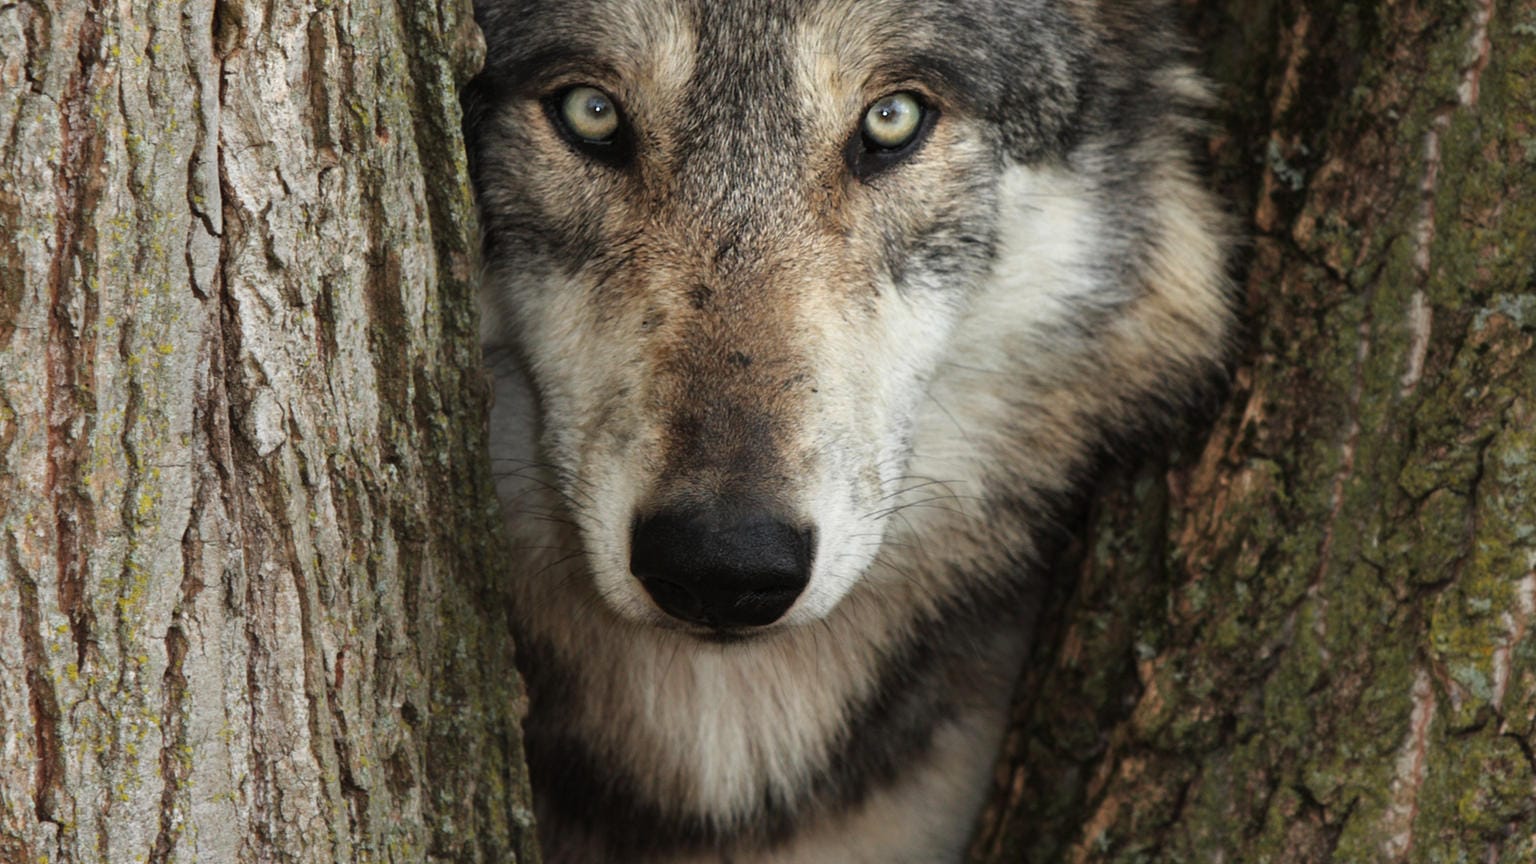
{"type": "Point", "coordinates": [722, 570]}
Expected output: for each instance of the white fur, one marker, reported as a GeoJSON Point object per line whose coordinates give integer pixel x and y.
{"type": "Point", "coordinates": [721, 722]}
{"type": "Point", "coordinates": [935, 406]}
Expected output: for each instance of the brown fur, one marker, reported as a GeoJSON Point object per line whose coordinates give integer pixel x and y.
{"type": "Point", "coordinates": [919, 364]}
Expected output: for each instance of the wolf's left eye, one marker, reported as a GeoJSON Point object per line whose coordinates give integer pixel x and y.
{"type": "Point", "coordinates": [891, 130]}
{"type": "Point", "coordinates": [893, 121]}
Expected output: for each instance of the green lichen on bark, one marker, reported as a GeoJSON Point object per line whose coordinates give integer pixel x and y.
{"type": "Point", "coordinates": [1342, 667]}
{"type": "Point", "coordinates": [248, 567]}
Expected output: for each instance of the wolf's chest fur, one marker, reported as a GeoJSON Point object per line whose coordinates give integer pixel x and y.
{"type": "Point", "coordinates": [804, 317]}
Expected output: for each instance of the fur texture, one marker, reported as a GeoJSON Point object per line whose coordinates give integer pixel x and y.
{"type": "Point", "coordinates": [917, 364]}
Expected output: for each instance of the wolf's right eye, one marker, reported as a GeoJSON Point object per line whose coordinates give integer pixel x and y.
{"type": "Point", "coordinates": [590, 122]}
{"type": "Point", "coordinates": [589, 114]}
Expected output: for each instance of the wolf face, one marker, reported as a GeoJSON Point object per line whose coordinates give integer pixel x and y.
{"type": "Point", "coordinates": [801, 313]}
{"type": "Point", "coordinates": [732, 304]}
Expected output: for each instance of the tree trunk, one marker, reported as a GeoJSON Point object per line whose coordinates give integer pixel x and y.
{"type": "Point", "coordinates": [248, 582]}
{"type": "Point", "coordinates": [248, 577]}
{"type": "Point", "coordinates": [1311, 640]}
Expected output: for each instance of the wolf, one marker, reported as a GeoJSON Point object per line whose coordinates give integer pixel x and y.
{"type": "Point", "coordinates": [804, 318]}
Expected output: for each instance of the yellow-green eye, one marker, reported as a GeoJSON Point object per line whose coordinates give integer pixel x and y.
{"type": "Point", "coordinates": [893, 121]}
{"type": "Point", "coordinates": [589, 114]}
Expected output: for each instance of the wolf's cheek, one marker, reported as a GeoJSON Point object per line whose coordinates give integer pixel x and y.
{"type": "Point", "coordinates": [873, 369]}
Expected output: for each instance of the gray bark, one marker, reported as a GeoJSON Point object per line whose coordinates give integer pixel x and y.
{"type": "Point", "coordinates": [248, 569]}
{"type": "Point", "coordinates": [1309, 639]}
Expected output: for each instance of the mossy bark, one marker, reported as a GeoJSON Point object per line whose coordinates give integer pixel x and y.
{"type": "Point", "coordinates": [248, 576]}
{"type": "Point", "coordinates": [1310, 639]}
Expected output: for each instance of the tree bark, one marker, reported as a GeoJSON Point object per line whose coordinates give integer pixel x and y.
{"type": "Point", "coordinates": [1311, 640]}
{"type": "Point", "coordinates": [249, 603]}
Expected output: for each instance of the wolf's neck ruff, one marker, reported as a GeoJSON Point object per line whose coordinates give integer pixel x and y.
{"type": "Point", "coordinates": [802, 318]}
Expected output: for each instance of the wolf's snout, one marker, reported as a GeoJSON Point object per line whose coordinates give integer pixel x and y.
{"type": "Point", "coordinates": [719, 570]}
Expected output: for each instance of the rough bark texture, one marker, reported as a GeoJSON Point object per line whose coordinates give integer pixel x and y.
{"type": "Point", "coordinates": [1311, 640]}
{"type": "Point", "coordinates": [248, 604]}
{"type": "Point", "coordinates": [247, 576]}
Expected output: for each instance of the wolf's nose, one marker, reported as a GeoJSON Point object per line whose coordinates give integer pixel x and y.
{"type": "Point", "coordinates": [705, 567]}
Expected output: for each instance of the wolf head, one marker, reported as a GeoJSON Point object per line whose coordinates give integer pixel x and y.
{"type": "Point", "coordinates": [778, 272]}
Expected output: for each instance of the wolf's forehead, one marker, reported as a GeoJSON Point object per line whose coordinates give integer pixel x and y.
{"type": "Point", "coordinates": [1024, 66]}
{"type": "Point", "coordinates": [731, 48]}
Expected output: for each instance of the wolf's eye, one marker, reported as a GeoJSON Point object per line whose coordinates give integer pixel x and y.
{"type": "Point", "coordinates": [892, 129]}
{"type": "Point", "coordinates": [893, 121]}
{"type": "Point", "coordinates": [589, 114]}
{"type": "Point", "coordinates": [591, 122]}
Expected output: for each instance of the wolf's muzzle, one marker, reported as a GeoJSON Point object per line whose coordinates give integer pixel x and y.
{"type": "Point", "coordinates": [721, 569]}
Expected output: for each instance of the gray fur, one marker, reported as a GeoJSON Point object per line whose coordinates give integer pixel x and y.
{"type": "Point", "coordinates": [924, 364]}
